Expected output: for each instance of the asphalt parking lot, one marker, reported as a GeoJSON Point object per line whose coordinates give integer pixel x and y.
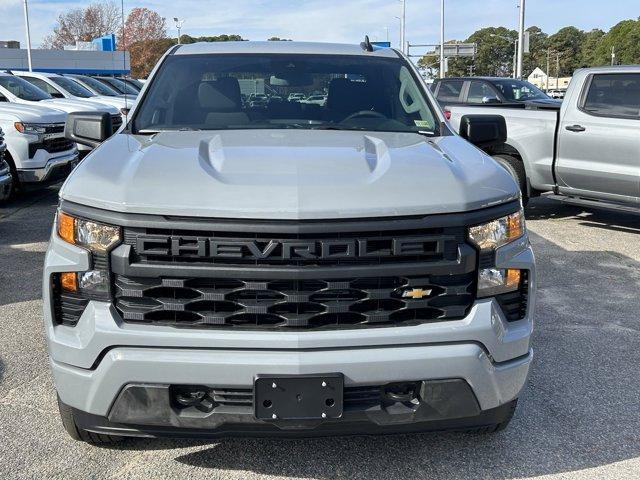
{"type": "Point", "coordinates": [579, 417]}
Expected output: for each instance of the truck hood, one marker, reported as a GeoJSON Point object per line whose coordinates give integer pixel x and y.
{"type": "Point", "coordinates": [70, 105]}
{"type": "Point", "coordinates": [288, 174]}
{"type": "Point", "coordinates": [32, 113]}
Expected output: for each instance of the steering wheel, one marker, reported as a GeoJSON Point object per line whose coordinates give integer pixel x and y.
{"type": "Point", "coordinates": [364, 113]}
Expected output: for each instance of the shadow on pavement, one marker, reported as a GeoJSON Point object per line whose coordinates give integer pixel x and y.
{"type": "Point", "coordinates": [581, 408]}
{"type": "Point", "coordinates": [548, 209]}
{"type": "Point", "coordinates": [24, 233]}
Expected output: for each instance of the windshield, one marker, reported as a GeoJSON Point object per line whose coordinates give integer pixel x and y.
{"type": "Point", "coordinates": [121, 86]}
{"type": "Point", "coordinates": [98, 87]}
{"type": "Point", "coordinates": [74, 88]}
{"type": "Point", "coordinates": [519, 90]}
{"type": "Point", "coordinates": [23, 89]}
{"type": "Point", "coordinates": [211, 92]}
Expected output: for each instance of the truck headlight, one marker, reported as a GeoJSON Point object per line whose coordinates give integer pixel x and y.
{"type": "Point", "coordinates": [94, 236]}
{"type": "Point", "coordinates": [30, 128]}
{"type": "Point", "coordinates": [99, 239]}
{"type": "Point", "coordinates": [498, 232]}
{"type": "Point", "coordinates": [488, 237]}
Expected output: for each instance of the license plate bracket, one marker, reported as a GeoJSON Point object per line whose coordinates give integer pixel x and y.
{"type": "Point", "coordinates": [298, 397]}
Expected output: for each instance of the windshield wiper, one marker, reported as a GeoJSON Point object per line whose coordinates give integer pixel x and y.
{"type": "Point", "coordinates": [336, 127]}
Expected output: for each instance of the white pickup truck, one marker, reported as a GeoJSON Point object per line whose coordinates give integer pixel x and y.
{"type": "Point", "coordinates": [588, 149]}
{"type": "Point", "coordinates": [36, 149]}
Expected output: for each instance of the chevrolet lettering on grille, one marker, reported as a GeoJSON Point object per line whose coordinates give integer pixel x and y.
{"type": "Point", "coordinates": [203, 247]}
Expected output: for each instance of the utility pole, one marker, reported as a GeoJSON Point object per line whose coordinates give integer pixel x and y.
{"type": "Point", "coordinates": [515, 58]}
{"type": "Point", "coordinates": [547, 72]}
{"type": "Point", "coordinates": [178, 26]}
{"type": "Point", "coordinates": [442, 66]}
{"type": "Point", "coordinates": [520, 41]}
{"type": "Point", "coordinates": [387, 30]}
{"type": "Point", "coordinates": [26, 23]}
{"type": "Point", "coordinates": [613, 55]}
{"type": "Point", "coordinates": [557, 69]}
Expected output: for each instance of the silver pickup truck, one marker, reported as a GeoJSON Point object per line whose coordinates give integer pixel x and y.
{"type": "Point", "coordinates": [219, 268]}
{"type": "Point", "coordinates": [589, 148]}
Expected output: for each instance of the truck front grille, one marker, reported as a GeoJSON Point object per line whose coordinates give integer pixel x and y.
{"type": "Point", "coordinates": [52, 145]}
{"type": "Point", "coordinates": [295, 275]}
{"type": "Point", "coordinates": [294, 304]}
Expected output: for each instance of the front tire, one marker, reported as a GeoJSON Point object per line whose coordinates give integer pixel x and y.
{"type": "Point", "coordinates": [77, 433]}
{"type": "Point", "coordinates": [515, 167]}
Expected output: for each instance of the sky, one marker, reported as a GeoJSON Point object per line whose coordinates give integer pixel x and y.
{"type": "Point", "coordinates": [335, 20]}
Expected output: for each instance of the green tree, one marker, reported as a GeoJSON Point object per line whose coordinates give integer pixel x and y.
{"type": "Point", "coordinates": [567, 42]}
{"type": "Point", "coordinates": [589, 48]}
{"type": "Point", "coordinates": [537, 55]}
{"type": "Point", "coordinates": [625, 37]}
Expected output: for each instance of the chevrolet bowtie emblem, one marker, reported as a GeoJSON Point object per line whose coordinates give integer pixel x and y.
{"type": "Point", "coordinates": [416, 293]}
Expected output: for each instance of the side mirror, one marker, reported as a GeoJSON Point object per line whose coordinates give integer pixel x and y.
{"type": "Point", "coordinates": [88, 128]}
{"type": "Point", "coordinates": [491, 100]}
{"type": "Point", "coordinates": [483, 130]}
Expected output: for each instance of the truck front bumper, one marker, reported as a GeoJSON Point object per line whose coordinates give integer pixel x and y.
{"type": "Point", "coordinates": [55, 168]}
{"type": "Point", "coordinates": [121, 378]}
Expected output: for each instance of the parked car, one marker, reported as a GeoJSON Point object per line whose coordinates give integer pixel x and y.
{"type": "Point", "coordinates": [14, 89]}
{"type": "Point", "coordinates": [36, 149]}
{"type": "Point", "coordinates": [295, 97]}
{"type": "Point", "coordinates": [587, 148]}
{"type": "Point", "coordinates": [99, 88]}
{"type": "Point", "coordinates": [315, 100]}
{"type": "Point", "coordinates": [214, 272]}
{"type": "Point", "coordinates": [6, 176]}
{"type": "Point", "coordinates": [119, 85]}
{"type": "Point", "coordinates": [558, 94]}
{"type": "Point", "coordinates": [137, 84]}
{"type": "Point", "coordinates": [63, 87]}
{"type": "Point", "coordinates": [489, 90]}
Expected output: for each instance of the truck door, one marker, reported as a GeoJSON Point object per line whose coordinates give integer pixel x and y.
{"type": "Point", "coordinates": [599, 140]}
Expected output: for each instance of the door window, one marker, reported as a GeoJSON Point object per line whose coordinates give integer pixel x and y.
{"type": "Point", "coordinates": [614, 95]}
{"type": "Point", "coordinates": [42, 85]}
{"type": "Point", "coordinates": [481, 92]}
{"type": "Point", "coordinates": [449, 90]}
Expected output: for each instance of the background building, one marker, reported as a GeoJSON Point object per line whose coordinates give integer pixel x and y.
{"type": "Point", "coordinates": [540, 79]}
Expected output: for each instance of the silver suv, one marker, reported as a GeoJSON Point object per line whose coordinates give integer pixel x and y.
{"type": "Point", "coordinates": [297, 269]}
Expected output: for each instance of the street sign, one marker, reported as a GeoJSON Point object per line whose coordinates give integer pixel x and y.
{"type": "Point", "coordinates": [457, 50]}
{"type": "Point", "coordinates": [525, 43]}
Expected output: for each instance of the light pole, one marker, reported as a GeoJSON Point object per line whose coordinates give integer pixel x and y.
{"type": "Point", "coordinates": [403, 19]}
{"type": "Point", "coordinates": [442, 63]}
{"type": "Point", "coordinates": [178, 26]}
{"type": "Point", "coordinates": [26, 23]}
{"type": "Point", "coordinates": [518, 73]}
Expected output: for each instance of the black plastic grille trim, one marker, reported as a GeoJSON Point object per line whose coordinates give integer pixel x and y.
{"type": "Point", "coordinates": [192, 247]}
{"type": "Point", "coordinates": [52, 145]}
{"type": "Point", "coordinates": [67, 307]}
{"type": "Point", "coordinates": [514, 304]}
{"type": "Point", "coordinates": [353, 397]}
{"type": "Point", "coordinates": [292, 304]}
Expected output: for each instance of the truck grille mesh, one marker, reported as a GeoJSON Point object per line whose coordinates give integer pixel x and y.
{"type": "Point", "coordinates": [295, 304]}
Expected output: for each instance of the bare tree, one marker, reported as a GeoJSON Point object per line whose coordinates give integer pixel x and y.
{"type": "Point", "coordinates": [84, 24]}
{"type": "Point", "coordinates": [142, 24]}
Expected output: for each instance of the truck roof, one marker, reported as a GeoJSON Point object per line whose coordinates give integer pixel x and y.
{"type": "Point", "coordinates": [610, 69]}
{"type": "Point", "coordinates": [305, 48]}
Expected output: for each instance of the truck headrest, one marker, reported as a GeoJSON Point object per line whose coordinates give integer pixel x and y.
{"type": "Point", "coordinates": [222, 95]}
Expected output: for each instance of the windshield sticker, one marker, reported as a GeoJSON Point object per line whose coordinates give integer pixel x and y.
{"type": "Point", "coordinates": [422, 123]}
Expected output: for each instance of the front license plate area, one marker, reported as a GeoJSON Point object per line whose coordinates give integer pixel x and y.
{"type": "Point", "coordinates": [310, 397]}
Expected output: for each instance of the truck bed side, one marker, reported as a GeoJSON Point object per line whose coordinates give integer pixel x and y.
{"type": "Point", "coordinates": [531, 135]}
